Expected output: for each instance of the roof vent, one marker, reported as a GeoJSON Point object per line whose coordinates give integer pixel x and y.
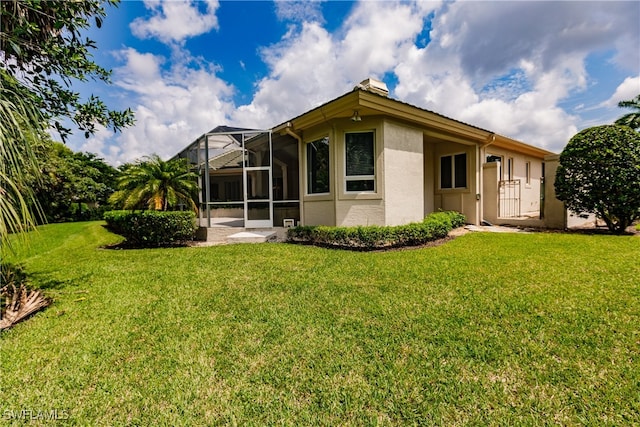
{"type": "Point", "coordinates": [375, 86]}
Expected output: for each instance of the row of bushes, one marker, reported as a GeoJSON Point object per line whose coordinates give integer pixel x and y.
{"type": "Point", "coordinates": [435, 226]}
{"type": "Point", "coordinates": [152, 228]}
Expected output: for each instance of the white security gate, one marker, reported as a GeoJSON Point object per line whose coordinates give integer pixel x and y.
{"type": "Point", "coordinates": [509, 199]}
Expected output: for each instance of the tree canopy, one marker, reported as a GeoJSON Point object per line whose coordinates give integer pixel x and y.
{"type": "Point", "coordinates": [71, 180]}
{"type": "Point", "coordinates": [632, 119]}
{"type": "Point", "coordinates": [44, 52]}
{"type": "Point", "coordinates": [599, 173]}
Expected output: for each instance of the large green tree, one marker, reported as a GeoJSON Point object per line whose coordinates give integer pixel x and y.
{"type": "Point", "coordinates": [70, 181]}
{"type": "Point", "coordinates": [156, 184]}
{"type": "Point", "coordinates": [44, 49]}
{"type": "Point", "coordinates": [632, 119]}
{"type": "Point", "coordinates": [43, 53]}
{"type": "Point", "coordinates": [599, 173]}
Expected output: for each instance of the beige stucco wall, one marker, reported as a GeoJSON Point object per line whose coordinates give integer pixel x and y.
{"type": "Point", "coordinates": [340, 207]}
{"type": "Point", "coordinates": [429, 177]}
{"type": "Point", "coordinates": [490, 191]}
{"type": "Point", "coordinates": [360, 212]}
{"type": "Point", "coordinates": [319, 213]}
{"type": "Point", "coordinates": [555, 215]}
{"type": "Point", "coordinates": [529, 193]}
{"type": "Point", "coordinates": [317, 209]}
{"type": "Point", "coordinates": [459, 199]}
{"type": "Point", "coordinates": [365, 208]}
{"type": "Point", "coordinates": [403, 174]}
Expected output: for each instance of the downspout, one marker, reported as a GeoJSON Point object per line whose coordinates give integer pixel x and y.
{"type": "Point", "coordinates": [291, 133]}
{"type": "Point", "coordinates": [480, 154]}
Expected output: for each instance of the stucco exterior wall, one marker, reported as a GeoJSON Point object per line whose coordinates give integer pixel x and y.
{"type": "Point", "coordinates": [429, 175]}
{"type": "Point", "coordinates": [490, 191]}
{"type": "Point", "coordinates": [319, 213]}
{"type": "Point", "coordinates": [403, 174]}
{"type": "Point", "coordinates": [460, 199]}
{"type": "Point", "coordinates": [555, 215]}
{"type": "Point", "coordinates": [318, 209]}
{"type": "Point", "coordinates": [359, 208]}
{"type": "Point", "coordinates": [359, 212]}
{"type": "Point", "coordinates": [529, 192]}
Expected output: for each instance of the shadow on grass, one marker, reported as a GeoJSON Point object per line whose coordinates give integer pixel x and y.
{"type": "Point", "coordinates": [17, 274]}
{"type": "Point", "coordinates": [131, 245]}
{"type": "Point", "coordinates": [127, 245]}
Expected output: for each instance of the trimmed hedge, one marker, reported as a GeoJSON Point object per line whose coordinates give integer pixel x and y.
{"type": "Point", "coordinates": [435, 226]}
{"type": "Point", "coordinates": [152, 228]}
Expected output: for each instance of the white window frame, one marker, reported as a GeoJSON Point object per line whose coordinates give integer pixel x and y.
{"type": "Point", "coordinates": [350, 178]}
{"type": "Point", "coordinates": [527, 171]}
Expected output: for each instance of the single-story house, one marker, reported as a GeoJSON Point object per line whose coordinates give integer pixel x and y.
{"type": "Point", "coordinates": [363, 159]}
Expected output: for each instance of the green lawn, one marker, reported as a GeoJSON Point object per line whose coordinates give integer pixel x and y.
{"type": "Point", "coordinates": [488, 329]}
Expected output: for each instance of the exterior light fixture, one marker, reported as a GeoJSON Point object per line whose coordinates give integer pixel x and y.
{"type": "Point", "coordinates": [356, 116]}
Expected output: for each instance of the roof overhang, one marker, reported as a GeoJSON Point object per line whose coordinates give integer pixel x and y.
{"type": "Point", "coordinates": [434, 125]}
{"type": "Point", "coordinates": [370, 104]}
{"type": "Point", "coordinates": [521, 147]}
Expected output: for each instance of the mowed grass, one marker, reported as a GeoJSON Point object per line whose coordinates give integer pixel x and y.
{"type": "Point", "coordinates": [487, 329]}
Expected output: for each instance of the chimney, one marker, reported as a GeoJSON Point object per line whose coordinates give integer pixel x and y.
{"type": "Point", "coordinates": [374, 86]}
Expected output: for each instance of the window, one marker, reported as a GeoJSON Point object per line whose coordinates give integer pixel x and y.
{"type": "Point", "coordinates": [510, 169]}
{"type": "Point", "coordinates": [318, 166]}
{"type": "Point", "coordinates": [453, 171]}
{"type": "Point", "coordinates": [527, 172]}
{"type": "Point", "coordinates": [360, 161]}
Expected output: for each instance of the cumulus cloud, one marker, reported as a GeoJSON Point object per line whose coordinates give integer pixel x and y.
{"type": "Point", "coordinates": [310, 66]}
{"type": "Point", "coordinates": [508, 66]}
{"type": "Point", "coordinates": [299, 11]}
{"type": "Point", "coordinates": [304, 73]}
{"type": "Point", "coordinates": [173, 106]}
{"type": "Point", "coordinates": [175, 21]}
{"type": "Point", "coordinates": [505, 66]}
{"type": "Point", "coordinates": [627, 90]}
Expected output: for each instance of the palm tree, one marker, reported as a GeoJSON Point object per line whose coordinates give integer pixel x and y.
{"type": "Point", "coordinates": [21, 126]}
{"type": "Point", "coordinates": [632, 119]}
{"type": "Point", "coordinates": [155, 184]}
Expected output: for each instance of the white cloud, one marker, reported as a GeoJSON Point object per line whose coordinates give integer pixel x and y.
{"type": "Point", "coordinates": [627, 90]}
{"type": "Point", "coordinates": [299, 11]}
{"type": "Point", "coordinates": [377, 36]}
{"type": "Point", "coordinates": [304, 73]}
{"type": "Point", "coordinates": [506, 66]}
{"type": "Point", "coordinates": [310, 66]}
{"type": "Point", "coordinates": [175, 21]}
{"type": "Point", "coordinates": [173, 106]}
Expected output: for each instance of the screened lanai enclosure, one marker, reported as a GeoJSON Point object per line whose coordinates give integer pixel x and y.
{"type": "Point", "coordinates": [247, 178]}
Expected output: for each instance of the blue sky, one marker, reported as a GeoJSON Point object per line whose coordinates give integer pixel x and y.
{"type": "Point", "coordinates": [535, 71]}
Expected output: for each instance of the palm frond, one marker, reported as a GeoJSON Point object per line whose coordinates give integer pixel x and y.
{"type": "Point", "coordinates": [21, 126]}
{"type": "Point", "coordinates": [157, 184]}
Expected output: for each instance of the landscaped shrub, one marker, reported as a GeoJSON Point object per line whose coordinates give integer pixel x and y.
{"type": "Point", "coordinates": [152, 228]}
{"type": "Point", "coordinates": [457, 219]}
{"type": "Point", "coordinates": [435, 226]}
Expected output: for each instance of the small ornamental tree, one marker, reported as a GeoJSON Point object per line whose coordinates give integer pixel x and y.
{"type": "Point", "coordinates": [599, 173]}
{"type": "Point", "coordinates": [156, 184]}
